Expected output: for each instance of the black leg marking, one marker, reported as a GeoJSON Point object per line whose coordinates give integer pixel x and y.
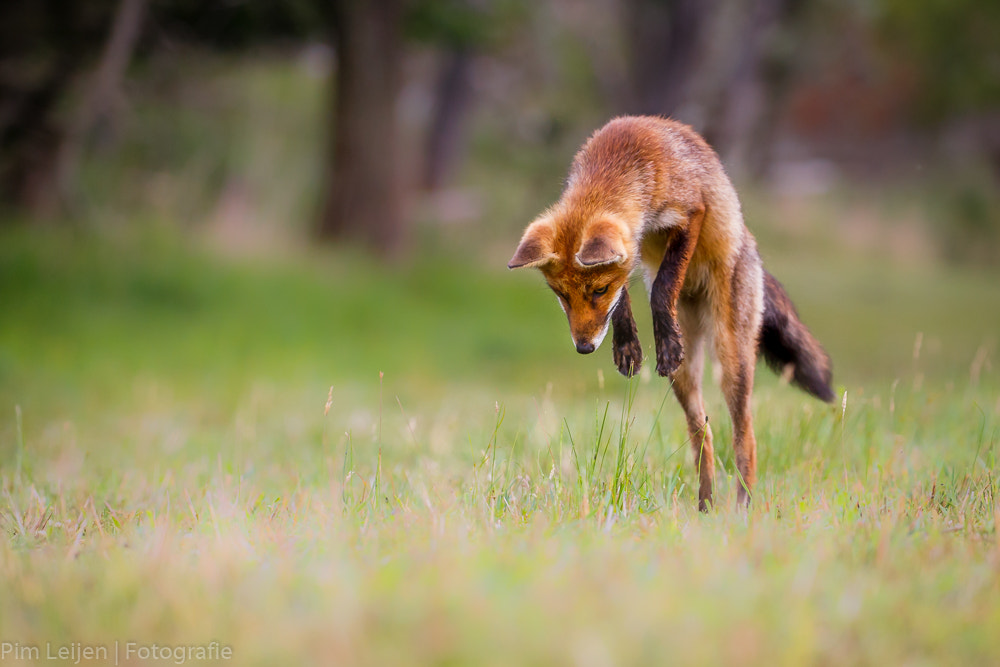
{"type": "Point", "coordinates": [663, 299]}
{"type": "Point", "coordinates": [626, 348]}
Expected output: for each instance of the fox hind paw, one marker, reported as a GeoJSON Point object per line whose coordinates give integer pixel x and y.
{"type": "Point", "coordinates": [669, 354]}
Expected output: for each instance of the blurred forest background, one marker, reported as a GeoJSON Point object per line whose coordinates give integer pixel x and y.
{"type": "Point", "coordinates": [358, 121]}
{"type": "Point", "coordinates": [402, 146]}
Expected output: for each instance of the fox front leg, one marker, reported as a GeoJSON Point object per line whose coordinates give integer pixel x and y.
{"type": "Point", "coordinates": [664, 294]}
{"type": "Point", "coordinates": [626, 348]}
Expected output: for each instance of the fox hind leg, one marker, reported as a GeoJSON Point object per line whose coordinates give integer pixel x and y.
{"type": "Point", "coordinates": [737, 386]}
{"type": "Point", "coordinates": [737, 326]}
{"type": "Point", "coordinates": [687, 387]}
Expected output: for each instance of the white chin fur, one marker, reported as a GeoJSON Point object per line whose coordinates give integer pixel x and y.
{"type": "Point", "coordinates": [600, 336]}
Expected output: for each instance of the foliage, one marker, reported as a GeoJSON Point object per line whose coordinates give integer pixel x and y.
{"type": "Point", "coordinates": [950, 49]}
{"type": "Point", "coordinates": [464, 24]}
{"type": "Point", "coordinates": [239, 26]}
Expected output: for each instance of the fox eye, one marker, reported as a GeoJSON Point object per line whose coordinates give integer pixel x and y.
{"type": "Point", "coordinates": [599, 292]}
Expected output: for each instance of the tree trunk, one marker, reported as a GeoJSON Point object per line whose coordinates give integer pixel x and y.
{"type": "Point", "coordinates": [743, 108]}
{"type": "Point", "coordinates": [363, 191]}
{"type": "Point", "coordinates": [665, 37]}
{"type": "Point", "coordinates": [43, 47]}
{"type": "Point", "coordinates": [453, 98]}
{"type": "Point", "coordinates": [122, 39]}
{"type": "Point", "coordinates": [29, 142]}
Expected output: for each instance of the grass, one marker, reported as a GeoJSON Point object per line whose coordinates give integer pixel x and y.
{"type": "Point", "coordinates": [176, 469]}
{"type": "Point", "coordinates": [316, 460]}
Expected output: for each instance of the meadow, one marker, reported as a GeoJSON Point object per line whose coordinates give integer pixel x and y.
{"type": "Point", "coordinates": [310, 458]}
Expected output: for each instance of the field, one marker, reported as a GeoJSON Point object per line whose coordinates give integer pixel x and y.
{"type": "Point", "coordinates": [178, 470]}
{"type": "Point", "coordinates": [311, 459]}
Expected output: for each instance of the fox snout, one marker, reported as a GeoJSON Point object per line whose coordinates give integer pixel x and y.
{"type": "Point", "coordinates": [588, 343]}
{"type": "Point", "coordinates": [588, 328]}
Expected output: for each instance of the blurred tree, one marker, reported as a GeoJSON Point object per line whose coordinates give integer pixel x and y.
{"type": "Point", "coordinates": [775, 70]}
{"type": "Point", "coordinates": [363, 192]}
{"type": "Point", "coordinates": [61, 65]}
{"type": "Point", "coordinates": [101, 92]}
{"type": "Point", "coordinates": [236, 26]}
{"type": "Point", "coordinates": [43, 48]}
{"type": "Point", "coordinates": [663, 39]}
{"type": "Point", "coordinates": [460, 30]}
{"type": "Point", "coordinates": [756, 56]}
{"type": "Point", "coordinates": [452, 101]}
{"type": "Point", "coordinates": [951, 51]}
{"type": "Point", "coordinates": [62, 61]}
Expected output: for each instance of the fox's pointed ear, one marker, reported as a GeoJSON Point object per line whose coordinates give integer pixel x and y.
{"type": "Point", "coordinates": [535, 248]}
{"type": "Point", "coordinates": [603, 243]}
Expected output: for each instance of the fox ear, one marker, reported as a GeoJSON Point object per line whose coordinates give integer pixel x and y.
{"type": "Point", "coordinates": [535, 248]}
{"type": "Point", "coordinates": [603, 243]}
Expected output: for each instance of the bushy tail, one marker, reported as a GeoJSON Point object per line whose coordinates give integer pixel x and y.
{"type": "Point", "coordinates": [789, 348]}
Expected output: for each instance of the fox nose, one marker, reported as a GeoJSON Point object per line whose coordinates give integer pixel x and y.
{"type": "Point", "coordinates": [585, 348]}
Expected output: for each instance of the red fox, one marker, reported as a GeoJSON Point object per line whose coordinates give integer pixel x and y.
{"type": "Point", "coordinates": [650, 190]}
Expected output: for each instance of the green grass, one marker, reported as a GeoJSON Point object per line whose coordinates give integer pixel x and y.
{"type": "Point", "coordinates": [197, 445]}
{"type": "Point", "coordinates": [172, 471]}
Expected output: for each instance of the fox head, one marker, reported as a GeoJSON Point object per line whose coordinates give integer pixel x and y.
{"type": "Point", "coordinates": [587, 265]}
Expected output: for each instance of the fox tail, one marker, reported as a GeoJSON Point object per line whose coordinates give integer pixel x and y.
{"type": "Point", "coordinates": [788, 347]}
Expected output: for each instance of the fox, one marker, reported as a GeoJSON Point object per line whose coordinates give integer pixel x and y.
{"type": "Point", "coordinates": [649, 192]}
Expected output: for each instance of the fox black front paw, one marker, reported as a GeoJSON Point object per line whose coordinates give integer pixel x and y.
{"type": "Point", "coordinates": [669, 351]}
{"type": "Point", "coordinates": [626, 348]}
{"type": "Point", "coordinates": [628, 357]}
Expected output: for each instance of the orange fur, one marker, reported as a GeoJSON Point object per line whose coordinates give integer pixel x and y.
{"type": "Point", "coordinates": [646, 191]}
